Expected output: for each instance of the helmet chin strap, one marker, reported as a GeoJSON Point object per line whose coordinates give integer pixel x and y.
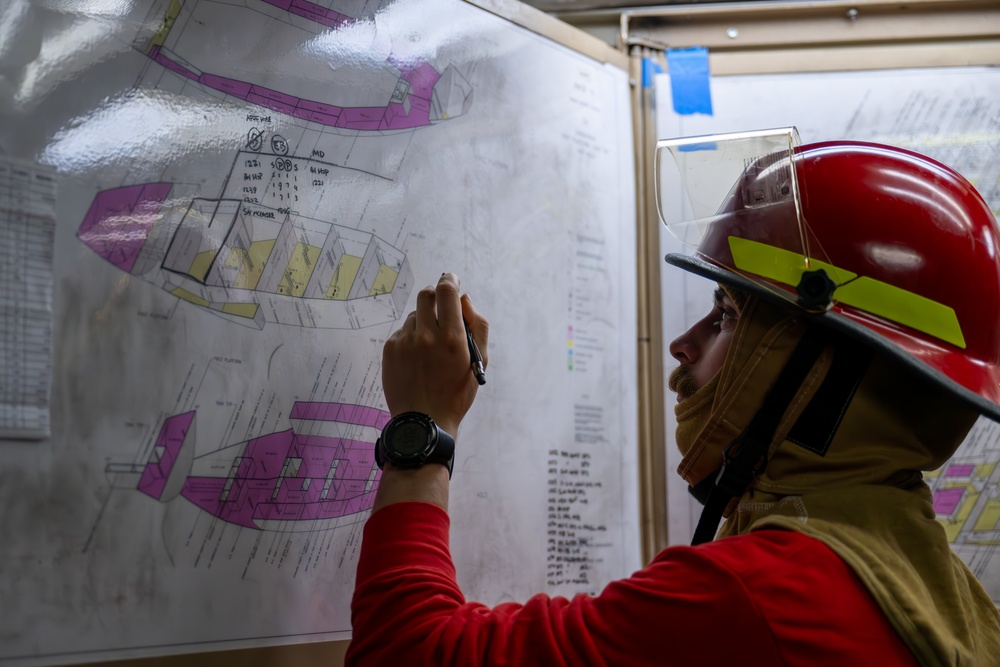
{"type": "Point", "coordinates": [746, 456]}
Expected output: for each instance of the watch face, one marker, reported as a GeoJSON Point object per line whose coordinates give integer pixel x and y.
{"type": "Point", "coordinates": [409, 438]}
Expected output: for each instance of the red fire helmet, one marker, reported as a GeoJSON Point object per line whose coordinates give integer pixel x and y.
{"type": "Point", "coordinates": [887, 245]}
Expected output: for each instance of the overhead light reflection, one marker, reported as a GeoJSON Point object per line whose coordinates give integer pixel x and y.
{"type": "Point", "coordinates": [65, 54]}
{"type": "Point", "coordinates": [89, 7]}
{"type": "Point", "coordinates": [145, 129]}
{"type": "Point", "coordinates": [356, 43]}
{"type": "Point", "coordinates": [408, 31]}
{"type": "Point", "coordinates": [989, 242]}
{"type": "Point", "coordinates": [895, 258]}
{"type": "Point", "coordinates": [914, 187]}
{"type": "Point", "coordinates": [20, 42]}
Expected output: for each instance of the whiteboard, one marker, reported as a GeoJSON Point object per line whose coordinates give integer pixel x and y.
{"type": "Point", "coordinates": [249, 194]}
{"type": "Point", "coordinates": [949, 114]}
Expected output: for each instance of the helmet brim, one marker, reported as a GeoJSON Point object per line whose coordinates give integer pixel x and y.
{"type": "Point", "coordinates": [888, 340]}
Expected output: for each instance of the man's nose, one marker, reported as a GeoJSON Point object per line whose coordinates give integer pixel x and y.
{"type": "Point", "coordinates": [683, 348]}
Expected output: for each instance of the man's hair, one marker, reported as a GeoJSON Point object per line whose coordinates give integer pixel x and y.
{"type": "Point", "coordinates": [738, 296]}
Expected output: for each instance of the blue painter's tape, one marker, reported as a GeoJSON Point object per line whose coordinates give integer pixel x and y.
{"type": "Point", "coordinates": [689, 76]}
{"type": "Point", "coordinates": [694, 148]}
{"type": "Point", "coordinates": [650, 68]}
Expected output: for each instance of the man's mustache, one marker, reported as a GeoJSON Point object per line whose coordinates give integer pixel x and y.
{"type": "Point", "coordinates": [681, 381]}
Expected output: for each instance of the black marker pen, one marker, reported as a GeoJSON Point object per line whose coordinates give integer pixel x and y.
{"type": "Point", "coordinates": [477, 359]}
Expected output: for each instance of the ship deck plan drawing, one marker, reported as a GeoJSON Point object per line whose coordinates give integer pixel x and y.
{"type": "Point", "coordinates": [967, 500]}
{"type": "Point", "coordinates": [266, 248]}
{"type": "Point", "coordinates": [311, 474]}
{"type": "Point", "coordinates": [250, 196]}
{"type": "Point", "coordinates": [249, 262]}
{"type": "Point", "coordinates": [415, 97]}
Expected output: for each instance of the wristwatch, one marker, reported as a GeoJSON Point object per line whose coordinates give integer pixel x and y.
{"type": "Point", "coordinates": [411, 439]}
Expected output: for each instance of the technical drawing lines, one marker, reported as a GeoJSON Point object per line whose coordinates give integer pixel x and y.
{"type": "Point", "coordinates": [316, 470]}
{"type": "Point", "coordinates": [248, 262]}
{"type": "Point", "coordinates": [967, 489]}
{"type": "Point", "coordinates": [421, 95]}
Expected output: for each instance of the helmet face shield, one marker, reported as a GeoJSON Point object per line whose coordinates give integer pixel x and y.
{"type": "Point", "coordinates": [695, 176]}
{"type": "Point", "coordinates": [734, 199]}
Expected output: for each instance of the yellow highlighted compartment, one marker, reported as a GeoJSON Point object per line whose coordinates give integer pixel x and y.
{"type": "Point", "coordinates": [168, 22]}
{"type": "Point", "coordinates": [990, 516]}
{"type": "Point", "coordinates": [241, 309]}
{"type": "Point", "coordinates": [985, 470]}
{"type": "Point", "coordinates": [200, 265]}
{"type": "Point", "coordinates": [343, 277]}
{"type": "Point", "coordinates": [188, 296]}
{"type": "Point", "coordinates": [299, 268]}
{"type": "Point", "coordinates": [384, 281]}
{"type": "Point", "coordinates": [250, 262]}
{"type": "Point", "coordinates": [953, 528]}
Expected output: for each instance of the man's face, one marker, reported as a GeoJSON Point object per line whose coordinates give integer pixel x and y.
{"type": "Point", "coordinates": [702, 348]}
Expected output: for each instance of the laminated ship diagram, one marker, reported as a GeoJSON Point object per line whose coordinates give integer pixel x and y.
{"type": "Point", "coordinates": [967, 491]}
{"type": "Point", "coordinates": [249, 262]}
{"type": "Point", "coordinates": [276, 239]}
{"type": "Point", "coordinates": [415, 93]}
{"type": "Point", "coordinates": [317, 474]}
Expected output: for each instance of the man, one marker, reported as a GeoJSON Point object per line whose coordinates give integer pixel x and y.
{"type": "Point", "coordinates": [846, 351]}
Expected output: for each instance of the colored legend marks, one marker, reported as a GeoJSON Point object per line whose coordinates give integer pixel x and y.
{"type": "Point", "coordinates": [569, 348]}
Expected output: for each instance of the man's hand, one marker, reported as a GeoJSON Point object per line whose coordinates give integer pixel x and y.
{"type": "Point", "coordinates": [426, 368]}
{"type": "Point", "coordinates": [426, 365]}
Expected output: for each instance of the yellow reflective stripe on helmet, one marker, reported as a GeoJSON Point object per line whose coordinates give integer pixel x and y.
{"type": "Point", "coordinates": [778, 264]}
{"type": "Point", "coordinates": [901, 306]}
{"type": "Point", "coordinates": [868, 294]}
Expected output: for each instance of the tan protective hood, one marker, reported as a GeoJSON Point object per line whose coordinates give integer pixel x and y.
{"type": "Point", "coordinates": [863, 495]}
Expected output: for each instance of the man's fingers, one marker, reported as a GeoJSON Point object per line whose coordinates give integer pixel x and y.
{"type": "Point", "coordinates": [449, 308]}
{"type": "Point", "coordinates": [426, 316]}
{"type": "Point", "coordinates": [408, 326]}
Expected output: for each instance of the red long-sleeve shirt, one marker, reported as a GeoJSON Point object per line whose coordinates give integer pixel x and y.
{"type": "Point", "coordinates": [768, 598]}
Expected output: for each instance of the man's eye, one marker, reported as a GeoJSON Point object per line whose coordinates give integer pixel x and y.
{"type": "Point", "coordinates": [727, 319]}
